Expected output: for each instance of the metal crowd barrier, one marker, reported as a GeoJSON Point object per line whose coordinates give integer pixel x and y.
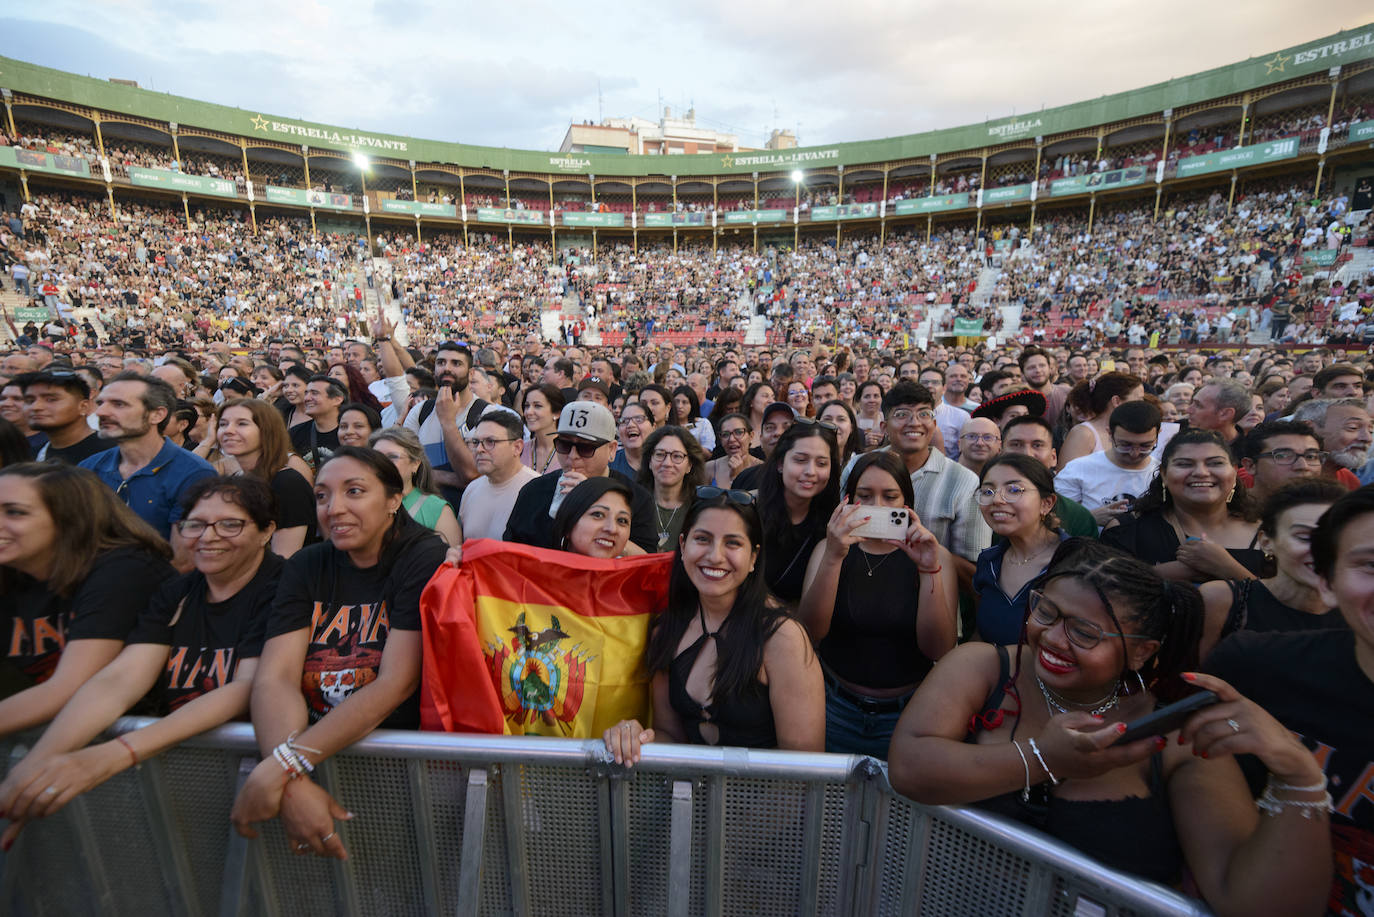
{"type": "Point", "coordinates": [487, 825]}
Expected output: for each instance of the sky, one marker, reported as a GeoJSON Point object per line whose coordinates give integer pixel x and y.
{"type": "Point", "coordinates": [518, 73]}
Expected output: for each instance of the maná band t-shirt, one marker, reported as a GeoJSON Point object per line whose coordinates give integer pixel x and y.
{"type": "Point", "coordinates": [349, 611]}
{"type": "Point", "coordinates": [207, 639]}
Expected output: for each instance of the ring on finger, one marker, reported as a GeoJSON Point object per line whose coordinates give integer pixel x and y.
{"type": "Point", "coordinates": [50, 791]}
{"type": "Point", "coordinates": [302, 847]}
{"type": "Point", "coordinates": [1235, 727]}
{"type": "Point", "coordinates": [325, 839]}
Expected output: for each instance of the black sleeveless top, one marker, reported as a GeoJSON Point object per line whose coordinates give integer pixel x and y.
{"type": "Point", "coordinates": [1254, 607]}
{"type": "Point", "coordinates": [1135, 834]}
{"type": "Point", "coordinates": [744, 721]}
{"type": "Point", "coordinates": [872, 637]}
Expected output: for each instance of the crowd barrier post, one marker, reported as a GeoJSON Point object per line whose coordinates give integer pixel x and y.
{"type": "Point", "coordinates": [495, 825]}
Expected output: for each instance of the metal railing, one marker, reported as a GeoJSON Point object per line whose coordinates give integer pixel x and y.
{"type": "Point", "coordinates": [489, 825]}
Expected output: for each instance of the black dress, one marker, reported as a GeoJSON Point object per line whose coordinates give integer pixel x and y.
{"type": "Point", "coordinates": [1152, 539]}
{"type": "Point", "coordinates": [742, 721]}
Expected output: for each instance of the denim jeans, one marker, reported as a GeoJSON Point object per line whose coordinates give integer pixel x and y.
{"type": "Point", "coordinates": [851, 730]}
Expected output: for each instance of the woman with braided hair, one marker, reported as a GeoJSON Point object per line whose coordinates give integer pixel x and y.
{"type": "Point", "coordinates": [1107, 638]}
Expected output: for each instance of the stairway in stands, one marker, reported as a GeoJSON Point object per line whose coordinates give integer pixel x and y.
{"type": "Point", "coordinates": [756, 335]}
{"type": "Point", "coordinates": [1356, 270]}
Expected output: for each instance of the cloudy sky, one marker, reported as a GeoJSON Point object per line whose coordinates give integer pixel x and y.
{"type": "Point", "coordinates": [517, 73]}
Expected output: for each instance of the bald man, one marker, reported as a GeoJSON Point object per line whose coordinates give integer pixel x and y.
{"type": "Point", "coordinates": [979, 440]}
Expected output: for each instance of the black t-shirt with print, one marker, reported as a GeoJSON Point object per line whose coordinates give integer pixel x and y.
{"type": "Point", "coordinates": [1311, 682]}
{"type": "Point", "coordinates": [207, 639]}
{"type": "Point", "coordinates": [105, 606]}
{"type": "Point", "coordinates": [312, 445]}
{"type": "Point", "coordinates": [349, 612]}
{"type": "Point", "coordinates": [295, 502]}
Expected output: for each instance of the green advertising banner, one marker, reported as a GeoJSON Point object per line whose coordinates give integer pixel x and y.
{"type": "Point", "coordinates": [32, 314]}
{"type": "Point", "coordinates": [1362, 131]}
{"type": "Point", "coordinates": [845, 212]}
{"type": "Point", "coordinates": [1099, 181]}
{"type": "Point", "coordinates": [1322, 257]}
{"type": "Point", "coordinates": [419, 208]}
{"type": "Point", "coordinates": [1240, 156]}
{"type": "Point", "coordinates": [675, 219]}
{"type": "Point", "coordinates": [1002, 245]}
{"type": "Point", "coordinates": [1006, 194]}
{"type": "Point", "coordinates": [302, 198]}
{"type": "Point", "coordinates": [17, 158]}
{"type": "Point", "coordinates": [756, 216]}
{"type": "Point", "coordinates": [178, 181]}
{"type": "Point", "coordinates": [496, 215]}
{"type": "Point", "coordinates": [575, 218]}
{"type": "Point", "coordinates": [968, 327]}
{"type": "Point", "coordinates": [933, 204]}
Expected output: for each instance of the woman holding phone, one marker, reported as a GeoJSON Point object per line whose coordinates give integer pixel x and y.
{"type": "Point", "coordinates": [879, 605]}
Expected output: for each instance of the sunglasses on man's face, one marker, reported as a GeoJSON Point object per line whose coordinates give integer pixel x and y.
{"type": "Point", "coordinates": [585, 450]}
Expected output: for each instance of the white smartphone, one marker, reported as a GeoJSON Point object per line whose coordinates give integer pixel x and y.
{"type": "Point", "coordinates": [887, 522]}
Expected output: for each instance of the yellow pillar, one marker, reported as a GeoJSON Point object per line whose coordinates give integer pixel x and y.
{"type": "Point", "coordinates": [933, 160]}
{"type": "Point", "coordinates": [1231, 197]}
{"type": "Point", "coordinates": [929, 219]}
{"type": "Point", "coordinates": [24, 184]}
{"type": "Point", "coordinates": [186, 208]}
{"type": "Point", "coordinates": [1164, 158]}
{"type": "Point", "coordinates": [796, 208]}
{"type": "Point", "coordinates": [414, 185]}
{"type": "Point", "coordinates": [99, 135]}
{"type": "Point", "coordinates": [305, 158]}
{"type": "Point", "coordinates": [1244, 120]}
{"type": "Point", "coordinates": [9, 115]}
{"type": "Point", "coordinates": [756, 197]}
{"type": "Point", "coordinates": [1330, 115]}
{"type": "Point", "coordinates": [674, 180]}
{"type": "Point", "coordinates": [243, 151]}
{"type": "Point", "coordinates": [419, 239]}
{"type": "Point", "coordinates": [109, 193]}
{"type": "Point", "coordinates": [1092, 209]}
{"type": "Point", "coordinates": [253, 215]}
{"type": "Point", "coordinates": [841, 203]}
{"type": "Point", "coordinates": [176, 148]}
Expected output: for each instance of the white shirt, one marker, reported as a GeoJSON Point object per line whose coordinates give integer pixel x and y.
{"type": "Point", "coordinates": [951, 422]}
{"type": "Point", "coordinates": [1094, 480]}
{"type": "Point", "coordinates": [486, 507]}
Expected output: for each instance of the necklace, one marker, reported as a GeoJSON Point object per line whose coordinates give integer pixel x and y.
{"type": "Point", "coordinates": [1029, 557]}
{"type": "Point", "coordinates": [873, 567]}
{"type": "Point", "coordinates": [665, 528]}
{"type": "Point", "coordinates": [1057, 704]}
{"type": "Point", "coordinates": [547, 459]}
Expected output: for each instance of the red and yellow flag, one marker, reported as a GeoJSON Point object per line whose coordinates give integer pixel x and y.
{"type": "Point", "coordinates": [530, 641]}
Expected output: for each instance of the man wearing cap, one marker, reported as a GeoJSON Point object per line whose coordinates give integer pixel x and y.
{"type": "Point", "coordinates": [58, 403]}
{"type": "Point", "coordinates": [594, 388]}
{"type": "Point", "coordinates": [584, 444]}
{"type": "Point", "coordinates": [1009, 405]}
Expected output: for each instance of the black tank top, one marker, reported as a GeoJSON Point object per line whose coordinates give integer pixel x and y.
{"type": "Point", "coordinates": [743, 721]}
{"type": "Point", "coordinates": [1254, 607]}
{"type": "Point", "coordinates": [1135, 834]}
{"type": "Point", "coordinates": [872, 637]}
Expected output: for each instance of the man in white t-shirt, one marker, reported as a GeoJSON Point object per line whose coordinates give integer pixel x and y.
{"type": "Point", "coordinates": [948, 418]}
{"type": "Point", "coordinates": [1107, 483]}
{"type": "Point", "coordinates": [487, 500]}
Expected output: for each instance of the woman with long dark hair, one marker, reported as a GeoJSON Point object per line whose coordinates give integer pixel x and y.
{"type": "Point", "coordinates": [757, 398]}
{"type": "Point", "coordinates": [729, 665]}
{"type": "Point", "coordinates": [342, 651]}
{"type": "Point", "coordinates": [253, 440]}
{"type": "Point", "coordinates": [353, 380]}
{"type": "Point", "coordinates": [798, 490]}
{"type": "Point", "coordinates": [76, 567]}
{"type": "Point", "coordinates": [674, 467]}
{"type": "Point", "coordinates": [540, 406]}
{"type": "Point", "coordinates": [881, 611]}
{"type": "Point", "coordinates": [1108, 639]}
{"type": "Point", "coordinates": [736, 438]}
{"type": "Point", "coordinates": [595, 519]}
{"type": "Point", "coordinates": [1195, 522]}
{"type": "Point", "coordinates": [685, 412]}
{"type": "Point", "coordinates": [841, 416]}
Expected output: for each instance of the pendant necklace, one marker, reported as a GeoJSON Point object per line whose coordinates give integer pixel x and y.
{"type": "Point", "coordinates": [1057, 704]}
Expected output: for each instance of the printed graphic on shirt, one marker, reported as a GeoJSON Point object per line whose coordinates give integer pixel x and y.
{"type": "Point", "coordinates": [191, 673]}
{"type": "Point", "coordinates": [38, 642]}
{"type": "Point", "coordinates": [344, 655]}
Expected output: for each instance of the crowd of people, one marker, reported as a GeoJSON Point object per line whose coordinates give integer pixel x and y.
{"type": "Point", "coordinates": [920, 553]}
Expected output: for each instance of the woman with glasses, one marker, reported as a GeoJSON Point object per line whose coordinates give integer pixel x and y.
{"type": "Point", "coordinates": [1195, 523]}
{"type": "Point", "coordinates": [195, 646]}
{"type": "Point", "coordinates": [685, 412]}
{"type": "Point", "coordinates": [729, 665]}
{"type": "Point", "coordinates": [419, 495]}
{"type": "Point", "coordinates": [799, 397]}
{"type": "Point", "coordinates": [1095, 399]}
{"type": "Point", "coordinates": [540, 409]}
{"type": "Point", "coordinates": [840, 415]}
{"type": "Point", "coordinates": [253, 440]}
{"type": "Point", "coordinates": [1016, 496]}
{"type": "Point", "coordinates": [1107, 640]}
{"type": "Point", "coordinates": [736, 438]}
{"type": "Point", "coordinates": [633, 428]}
{"type": "Point", "coordinates": [881, 611]}
{"type": "Point", "coordinates": [76, 567]}
{"type": "Point", "coordinates": [342, 650]}
{"type": "Point", "coordinates": [1291, 598]}
{"type": "Point", "coordinates": [798, 490]}
{"type": "Point", "coordinates": [675, 469]}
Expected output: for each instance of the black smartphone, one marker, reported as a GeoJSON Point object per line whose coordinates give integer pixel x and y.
{"type": "Point", "coordinates": [1167, 719]}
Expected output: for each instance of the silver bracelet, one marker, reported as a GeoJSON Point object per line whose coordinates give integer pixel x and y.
{"type": "Point", "coordinates": [1269, 804]}
{"type": "Point", "coordinates": [1035, 749]}
{"type": "Point", "coordinates": [1025, 765]}
{"type": "Point", "coordinates": [1288, 787]}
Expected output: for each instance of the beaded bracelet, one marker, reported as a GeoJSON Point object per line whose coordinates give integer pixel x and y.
{"type": "Point", "coordinates": [1025, 765]}
{"type": "Point", "coordinates": [1035, 749]}
{"type": "Point", "coordinates": [1270, 804]}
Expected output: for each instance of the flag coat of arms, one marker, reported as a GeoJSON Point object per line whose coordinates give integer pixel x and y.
{"type": "Point", "coordinates": [530, 641]}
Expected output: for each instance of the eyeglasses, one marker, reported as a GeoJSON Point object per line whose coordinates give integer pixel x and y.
{"type": "Point", "coordinates": [225, 528]}
{"type": "Point", "coordinates": [902, 416]}
{"type": "Point", "coordinates": [980, 437]}
{"type": "Point", "coordinates": [1082, 634]}
{"type": "Point", "coordinates": [585, 450]}
{"type": "Point", "coordinates": [1134, 448]}
{"type": "Point", "coordinates": [488, 443]}
{"type": "Point", "coordinates": [1291, 456]}
{"type": "Point", "coordinates": [1010, 493]}
{"type": "Point", "coordinates": [733, 434]}
{"type": "Point", "coordinates": [677, 458]}
{"type": "Point", "coordinates": [813, 422]}
{"type": "Point", "coordinates": [740, 497]}
{"type": "Point", "coordinates": [626, 421]}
